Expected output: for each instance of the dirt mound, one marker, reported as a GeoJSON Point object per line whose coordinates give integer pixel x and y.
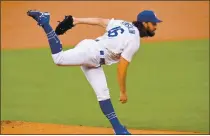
{"type": "Point", "coordinates": [20, 127]}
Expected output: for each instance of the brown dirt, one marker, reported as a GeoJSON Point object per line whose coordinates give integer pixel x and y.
{"type": "Point", "coordinates": [19, 127]}
{"type": "Point", "coordinates": [182, 20]}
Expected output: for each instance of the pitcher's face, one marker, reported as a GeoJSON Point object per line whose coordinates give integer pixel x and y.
{"type": "Point", "coordinates": [150, 28]}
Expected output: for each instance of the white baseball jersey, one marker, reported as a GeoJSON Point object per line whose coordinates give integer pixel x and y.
{"type": "Point", "coordinates": [121, 38]}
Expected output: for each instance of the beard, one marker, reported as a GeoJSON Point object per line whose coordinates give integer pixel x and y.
{"type": "Point", "coordinates": [144, 31]}
{"type": "Point", "coordinates": [150, 33]}
{"type": "Point", "coordinates": [147, 33]}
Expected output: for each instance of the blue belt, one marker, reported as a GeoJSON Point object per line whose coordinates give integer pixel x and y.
{"type": "Point", "coordinates": [102, 58]}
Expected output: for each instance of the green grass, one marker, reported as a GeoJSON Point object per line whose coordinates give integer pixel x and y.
{"type": "Point", "coordinates": [168, 89]}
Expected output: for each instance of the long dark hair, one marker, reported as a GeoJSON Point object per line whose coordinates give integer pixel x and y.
{"type": "Point", "coordinates": [142, 30]}
{"type": "Point", "coordinates": [137, 24]}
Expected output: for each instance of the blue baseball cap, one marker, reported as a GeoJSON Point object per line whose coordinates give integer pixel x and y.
{"type": "Point", "coordinates": [148, 16]}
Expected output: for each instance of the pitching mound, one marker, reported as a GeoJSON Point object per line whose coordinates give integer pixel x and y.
{"type": "Point", "coordinates": [20, 127]}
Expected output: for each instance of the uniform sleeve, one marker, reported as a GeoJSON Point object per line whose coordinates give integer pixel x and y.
{"type": "Point", "coordinates": [110, 24]}
{"type": "Point", "coordinates": [130, 51]}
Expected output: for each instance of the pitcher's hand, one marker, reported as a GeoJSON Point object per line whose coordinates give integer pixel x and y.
{"type": "Point", "coordinates": [123, 98]}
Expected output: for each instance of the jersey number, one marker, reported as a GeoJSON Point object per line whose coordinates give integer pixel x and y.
{"type": "Point", "coordinates": [114, 31]}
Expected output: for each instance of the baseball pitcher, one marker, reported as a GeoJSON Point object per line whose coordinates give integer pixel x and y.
{"type": "Point", "coordinates": [119, 44]}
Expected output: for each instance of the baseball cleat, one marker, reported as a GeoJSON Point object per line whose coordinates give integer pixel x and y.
{"type": "Point", "coordinates": [123, 131]}
{"type": "Point", "coordinates": [41, 17]}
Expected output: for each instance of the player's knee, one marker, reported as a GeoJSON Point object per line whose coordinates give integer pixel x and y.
{"type": "Point", "coordinates": [57, 58]}
{"type": "Point", "coordinates": [103, 94]}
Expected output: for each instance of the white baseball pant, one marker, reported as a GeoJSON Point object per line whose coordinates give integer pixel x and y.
{"type": "Point", "coordinates": [87, 55]}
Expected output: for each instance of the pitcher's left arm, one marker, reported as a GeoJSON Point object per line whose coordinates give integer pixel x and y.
{"type": "Point", "coordinates": [91, 21]}
{"type": "Point", "coordinates": [70, 21]}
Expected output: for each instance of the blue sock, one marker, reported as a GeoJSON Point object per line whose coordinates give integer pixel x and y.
{"type": "Point", "coordinates": [53, 40]}
{"type": "Point", "coordinates": [108, 110]}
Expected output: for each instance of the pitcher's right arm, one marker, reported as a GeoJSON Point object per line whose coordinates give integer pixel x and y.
{"type": "Point", "coordinates": [123, 64]}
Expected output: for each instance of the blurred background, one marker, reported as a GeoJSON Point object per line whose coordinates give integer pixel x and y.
{"type": "Point", "coordinates": [181, 20]}
{"type": "Point", "coordinates": [168, 80]}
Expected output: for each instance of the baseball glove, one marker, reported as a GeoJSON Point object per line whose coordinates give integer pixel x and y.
{"type": "Point", "coordinates": [64, 25]}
